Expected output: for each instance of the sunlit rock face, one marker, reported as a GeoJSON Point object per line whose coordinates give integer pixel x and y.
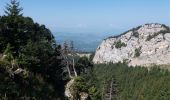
{"type": "Point", "coordinates": [145, 45]}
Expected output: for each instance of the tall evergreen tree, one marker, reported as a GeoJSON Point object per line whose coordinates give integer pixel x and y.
{"type": "Point", "coordinates": [13, 9]}
{"type": "Point", "coordinates": [34, 49]}
{"type": "Point", "coordinates": [12, 26]}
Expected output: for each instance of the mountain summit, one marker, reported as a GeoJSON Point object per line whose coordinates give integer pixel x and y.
{"type": "Point", "coordinates": [144, 45]}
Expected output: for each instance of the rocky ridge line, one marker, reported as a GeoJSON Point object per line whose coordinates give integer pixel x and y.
{"type": "Point", "coordinates": [145, 45]}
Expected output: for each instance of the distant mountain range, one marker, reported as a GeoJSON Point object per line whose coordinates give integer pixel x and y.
{"type": "Point", "coordinates": [82, 41]}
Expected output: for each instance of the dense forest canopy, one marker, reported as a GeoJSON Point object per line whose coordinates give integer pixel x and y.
{"type": "Point", "coordinates": [31, 62]}
{"type": "Point", "coordinates": [131, 83]}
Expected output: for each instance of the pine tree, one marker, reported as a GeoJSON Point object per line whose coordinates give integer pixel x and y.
{"type": "Point", "coordinates": [13, 9]}
{"type": "Point", "coordinates": [12, 25]}
{"type": "Point", "coordinates": [32, 48]}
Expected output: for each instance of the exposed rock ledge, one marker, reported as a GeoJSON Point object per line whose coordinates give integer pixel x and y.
{"type": "Point", "coordinates": [144, 45]}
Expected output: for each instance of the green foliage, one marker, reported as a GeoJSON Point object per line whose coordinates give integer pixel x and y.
{"type": "Point", "coordinates": [120, 44]}
{"type": "Point", "coordinates": [153, 36]}
{"type": "Point", "coordinates": [137, 52]}
{"type": "Point", "coordinates": [92, 56]}
{"type": "Point", "coordinates": [94, 93]}
{"type": "Point", "coordinates": [18, 30]}
{"type": "Point", "coordinates": [8, 53]}
{"type": "Point", "coordinates": [133, 83]}
{"type": "Point", "coordinates": [156, 34]}
{"type": "Point", "coordinates": [79, 85]}
{"type": "Point", "coordinates": [92, 90]}
{"type": "Point", "coordinates": [13, 9]}
{"type": "Point", "coordinates": [135, 34]}
{"type": "Point", "coordinates": [131, 30]}
{"type": "Point", "coordinates": [83, 65]}
{"type": "Point", "coordinates": [24, 86]}
{"type": "Point", "coordinates": [32, 47]}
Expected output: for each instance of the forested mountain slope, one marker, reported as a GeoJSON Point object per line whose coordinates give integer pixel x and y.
{"type": "Point", "coordinates": [31, 63]}
{"type": "Point", "coordinates": [121, 82]}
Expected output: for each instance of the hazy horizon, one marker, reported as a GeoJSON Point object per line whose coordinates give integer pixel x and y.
{"type": "Point", "coordinates": [88, 22]}
{"type": "Point", "coordinates": [94, 16]}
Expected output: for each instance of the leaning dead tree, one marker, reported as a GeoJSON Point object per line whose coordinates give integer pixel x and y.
{"type": "Point", "coordinates": [69, 56]}
{"type": "Point", "coordinates": [72, 52]}
{"type": "Point", "coordinates": [111, 89]}
{"type": "Point", "coordinates": [65, 55]}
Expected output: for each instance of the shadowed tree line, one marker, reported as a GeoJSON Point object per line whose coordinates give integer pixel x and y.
{"type": "Point", "coordinates": [31, 63]}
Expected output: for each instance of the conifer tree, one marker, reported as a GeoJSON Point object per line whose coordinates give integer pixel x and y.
{"type": "Point", "coordinates": [33, 48]}
{"type": "Point", "coordinates": [13, 9]}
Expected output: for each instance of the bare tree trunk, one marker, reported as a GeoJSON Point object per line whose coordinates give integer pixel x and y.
{"type": "Point", "coordinates": [111, 88]}
{"type": "Point", "coordinates": [68, 69]}
{"type": "Point", "coordinates": [75, 73]}
{"type": "Point", "coordinates": [103, 93]}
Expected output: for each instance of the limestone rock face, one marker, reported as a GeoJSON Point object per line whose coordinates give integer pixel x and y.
{"type": "Point", "coordinates": [84, 96]}
{"type": "Point", "coordinates": [145, 45]}
{"type": "Point", "coordinates": [67, 89]}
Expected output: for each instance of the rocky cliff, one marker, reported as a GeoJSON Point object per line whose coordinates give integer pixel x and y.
{"type": "Point", "coordinates": [145, 45]}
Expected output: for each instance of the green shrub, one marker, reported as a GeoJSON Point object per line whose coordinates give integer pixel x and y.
{"type": "Point", "coordinates": [79, 85]}
{"type": "Point", "coordinates": [137, 52]}
{"type": "Point", "coordinates": [135, 34]}
{"type": "Point", "coordinates": [156, 34]}
{"type": "Point", "coordinates": [120, 44]}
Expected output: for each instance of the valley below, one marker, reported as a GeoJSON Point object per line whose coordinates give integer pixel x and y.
{"type": "Point", "coordinates": [131, 66]}
{"type": "Point", "coordinates": [37, 64]}
{"type": "Point", "coordinates": [86, 42]}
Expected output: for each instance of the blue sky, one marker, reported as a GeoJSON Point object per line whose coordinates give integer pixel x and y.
{"type": "Point", "coordinates": [94, 16]}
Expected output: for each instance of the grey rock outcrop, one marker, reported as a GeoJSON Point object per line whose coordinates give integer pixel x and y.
{"type": "Point", "coordinates": [145, 45]}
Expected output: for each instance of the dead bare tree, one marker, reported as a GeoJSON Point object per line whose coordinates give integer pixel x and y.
{"type": "Point", "coordinates": [73, 56]}
{"type": "Point", "coordinates": [111, 89]}
{"type": "Point", "coordinates": [65, 54]}
{"type": "Point", "coordinates": [69, 56]}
